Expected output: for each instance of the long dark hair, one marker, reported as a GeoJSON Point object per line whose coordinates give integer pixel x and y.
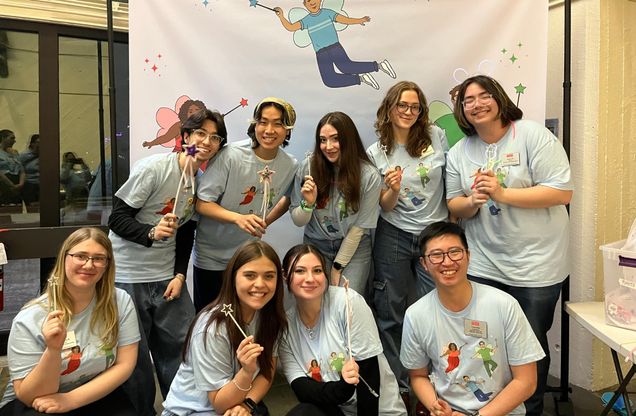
{"type": "Point", "coordinates": [508, 111]}
{"type": "Point", "coordinates": [273, 321]}
{"type": "Point", "coordinates": [419, 134]}
{"type": "Point", "coordinates": [352, 155]}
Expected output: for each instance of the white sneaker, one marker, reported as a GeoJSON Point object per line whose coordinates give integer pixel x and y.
{"type": "Point", "coordinates": [386, 67]}
{"type": "Point", "coordinates": [369, 80]}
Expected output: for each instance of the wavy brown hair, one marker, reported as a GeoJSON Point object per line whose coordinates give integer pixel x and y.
{"type": "Point", "coordinates": [352, 155]}
{"type": "Point", "coordinates": [292, 257]}
{"type": "Point", "coordinates": [508, 111]}
{"type": "Point", "coordinates": [105, 316]}
{"type": "Point", "coordinates": [419, 134]}
{"type": "Point", "coordinates": [273, 320]}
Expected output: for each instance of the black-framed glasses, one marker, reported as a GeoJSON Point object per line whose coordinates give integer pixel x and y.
{"type": "Point", "coordinates": [455, 254]}
{"type": "Point", "coordinates": [201, 134]}
{"type": "Point", "coordinates": [81, 259]}
{"type": "Point", "coordinates": [402, 107]}
{"type": "Point", "coordinates": [470, 102]}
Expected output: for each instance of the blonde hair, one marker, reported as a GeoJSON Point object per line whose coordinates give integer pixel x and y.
{"type": "Point", "coordinates": [105, 317]}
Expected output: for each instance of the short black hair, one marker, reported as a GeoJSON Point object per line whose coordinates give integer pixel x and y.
{"type": "Point", "coordinates": [438, 229]}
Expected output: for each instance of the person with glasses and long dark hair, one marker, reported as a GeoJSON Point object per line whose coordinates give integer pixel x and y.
{"type": "Point", "coordinates": [70, 349]}
{"type": "Point", "coordinates": [335, 197]}
{"type": "Point", "coordinates": [509, 181]}
{"type": "Point", "coordinates": [488, 326]}
{"type": "Point", "coordinates": [314, 352]}
{"type": "Point", "coordinates": [411, 156]}
{"type": "Point", "coordinates": [152, 257]}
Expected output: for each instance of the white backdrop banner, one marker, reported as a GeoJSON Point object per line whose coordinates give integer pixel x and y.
{"type": "Point", "coordinates": [229, 54]}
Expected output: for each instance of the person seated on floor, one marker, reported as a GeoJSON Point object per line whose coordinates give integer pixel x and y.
{"type": "Point", "coordinates": [315, 351]}
{"type": "Point", "coordinates": [468, 347]}
{"type": "Point", "coordinates": [70, 349]}
{"type": "Point", "coordinates": [229, 357]}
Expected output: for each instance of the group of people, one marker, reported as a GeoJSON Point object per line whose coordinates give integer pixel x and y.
{"type": "Point", "coordinates": [474, 343]}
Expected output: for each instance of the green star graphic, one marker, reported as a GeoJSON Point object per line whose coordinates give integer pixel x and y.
{"type": "Point", "coordinates": [513, 58]}
{"type": "Point", "coordinates": [520, 44]}
{"type": "Point", "coordinates": [504, 50]}
{"type": "Point", "coordinates": [520, 89]}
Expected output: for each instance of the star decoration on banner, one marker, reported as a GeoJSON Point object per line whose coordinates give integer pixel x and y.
{"type": "Point", "coordinates": [513, 58]}
{"type": "Point", "coordinates": [520, 89]}
{"type": "Point", "coordinates": [205, 3]}
{"type": "Point", "coordinates": [519, 44]}
{"type": "Point", "coordinates": [253, 3]}
{"type": "Point", "coordinates": [243, 102]}
{"type": "Point", "coordinates": [504, 50]}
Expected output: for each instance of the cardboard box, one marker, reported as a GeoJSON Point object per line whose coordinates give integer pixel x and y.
{"type": "Point", "coordinates": [619, 277]}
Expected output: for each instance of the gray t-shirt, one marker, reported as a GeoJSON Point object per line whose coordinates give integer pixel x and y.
{"type": "Point", "coordinates": [80, 363]}
{"type": "Point", "coordinates": [327, 344]}
{"type": "Point", "coordinates": [463, 377]}
{"type": "Point", "coordinates": [152, 187]}
{"type": "Point", "coordinates": [519, 246]}
{"type": "Point", "coordinates": [207, 368]}
{"type": "Point", "coordinates": [331, 219]}
{"type": "Point", "coordinates": [422, 200]}
{"type": "Point", "coordinates": [233, 182]}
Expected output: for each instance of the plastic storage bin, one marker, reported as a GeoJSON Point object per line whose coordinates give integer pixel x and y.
{"type": "Point", "coordinates": [619, 277]}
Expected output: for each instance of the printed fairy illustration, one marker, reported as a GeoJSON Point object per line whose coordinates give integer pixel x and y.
{"type": "Point", "coordinates": [249, 195]}
{"type": "Point", "coordinates": [452, 352]}
{"type": "Point", "coordinates": [319, 25]}
{"type": "Point", "coordinates": [314, 370]}
{"type": "Point", "coordinates": [336, 361]}
{"type": "Point", "coordinates": [410, 194]}
{"type": "Point", "coordinates": [327, 222]}
{"type": "Point", "coordinates": [486, 351]}
{"type": "Point", "coordinates": [423, 172]}
{"type": "Point", "coordinates": [74, 358]}
{"type": "Point", "coordinates": [474, 387]}
{"type": "Point", "coordinates": [169, 135]}
{"type": "Point", "coordinates": [109, 354]}
{"type": "Point", "coordinates": [168, 207]}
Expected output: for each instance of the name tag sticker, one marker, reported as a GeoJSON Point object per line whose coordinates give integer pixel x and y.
{"type": "Point", "coordinates": [510, 159]}
{"type": "Point", "coordinates": [474, 328]}
{"type": "Point", "coordinates": [427, 152]}
{"type": "Point", "coordinates": [70, 340]}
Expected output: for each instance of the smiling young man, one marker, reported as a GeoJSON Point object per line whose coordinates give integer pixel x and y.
{"type": "Point", "coordinates": [231, 195]}
{"type": "Point", "coordinates": [469, 315]}
{"type": "Point", "coordinates": [151, 264]}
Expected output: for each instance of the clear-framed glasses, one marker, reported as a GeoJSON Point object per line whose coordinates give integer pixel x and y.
{"type": "Point", "coordinates": [483, 98]}
{"type": "Point", "coordinates": [201, 135]}
{"type": "Point", "coordinates": [402, 107]}
{"type": "Point", "coordinates": [81, 259]}
{"type": "Point", "coordinates": [455, 254]}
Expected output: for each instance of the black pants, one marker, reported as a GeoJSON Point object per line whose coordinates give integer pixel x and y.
{"type": "Point", "coordinates": [207, 286]}
{"type": "Point", "coordinates": [114, 404]}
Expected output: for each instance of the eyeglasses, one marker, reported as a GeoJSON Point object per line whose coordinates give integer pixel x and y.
{"type": "Point", "coordinates": [455, 254]}
{"type": "Point", "coordinates": [403, 107]}
{"type": "Point", "coordinates": [201, 135]}
{"type": "Point", "coordinates": [470, 102]}
{"type": "Point", "coordinates": [82, 259]}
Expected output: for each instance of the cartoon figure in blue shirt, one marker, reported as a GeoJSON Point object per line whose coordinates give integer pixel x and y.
{"type": "Point", "coordinates": [319, 28]}
{"type": "Point", "coordinates": [473, 385]}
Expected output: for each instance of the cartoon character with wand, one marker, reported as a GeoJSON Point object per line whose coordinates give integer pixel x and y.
{"type": "Point", "coordinates": [318, 25]}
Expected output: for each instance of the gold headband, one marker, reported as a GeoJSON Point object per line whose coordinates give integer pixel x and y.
{"type": "Point", "coordinates": [290, 114]}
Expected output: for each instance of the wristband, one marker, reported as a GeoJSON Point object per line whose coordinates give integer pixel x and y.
{"type": "Point", "coordinates": [337, 266]}
{"type": "Point", "coordinates": [180, 276]}
{"type": "Point", "coordinates": [151, 234]}
{"type": "Point", "coordinates": [305, 207]}
{"type": "Point", "coordinates": [249, 403]}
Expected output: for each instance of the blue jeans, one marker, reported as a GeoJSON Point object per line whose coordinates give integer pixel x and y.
{"type": "Point", "coordinates": [538, 305]}
{"type": "Point", "coordinates": [396, 259]}
{"type": "Point", "coordinates": [164, 327]}
{"type": "Point", "coordinates": [336, 55]}
{"type": "Point", "coordinates": [357, 271]}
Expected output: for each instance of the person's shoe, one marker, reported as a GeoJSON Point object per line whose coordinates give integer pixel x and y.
{"type": "Point", "coordinates": [370, 81]}
{"type": "Point", "coordinates": [619, 405]}
{"type": "Point", "coordinates": [421, 410]}
{"type": "Point", "coordinates": [386, 67]}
